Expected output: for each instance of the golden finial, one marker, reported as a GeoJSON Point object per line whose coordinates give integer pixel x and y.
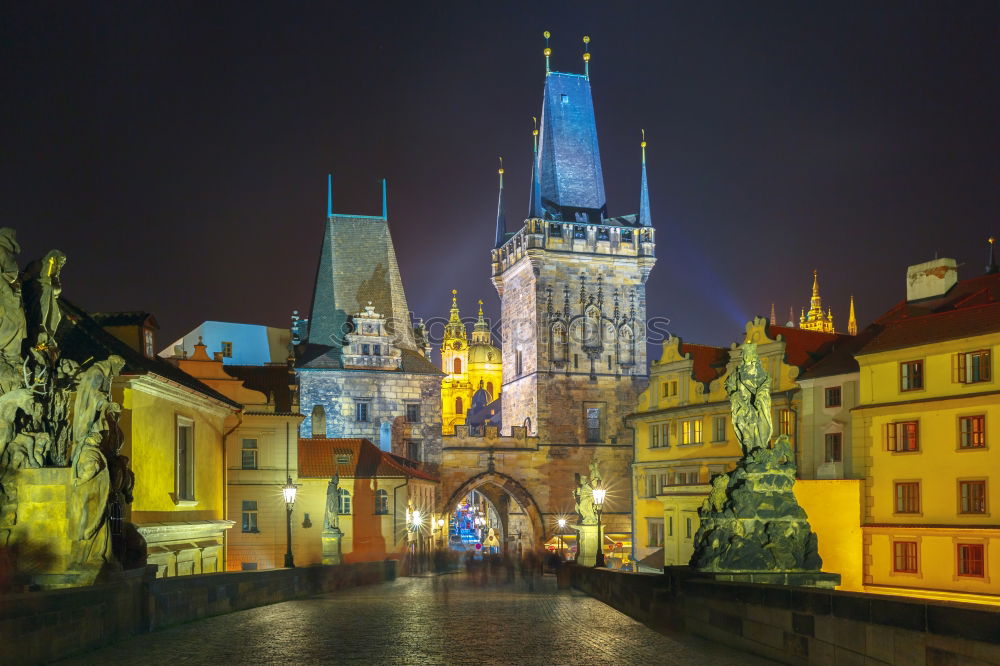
{"type": "Point", "coordinates": [534, 121]}
{"type": "Point", "coordinates": [547, 51]}
{"type": "Point", "coordinates": [586, 56]}
{"type": "Point", "coordinates": [501, 165]}
{"type": "Point", "coordinates": [480, 308]}
{"type": "Point", "coordinates": [642, 145]}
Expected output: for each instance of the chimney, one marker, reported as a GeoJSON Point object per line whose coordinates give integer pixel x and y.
{"type": "Point", "coordinates": [930, 279]}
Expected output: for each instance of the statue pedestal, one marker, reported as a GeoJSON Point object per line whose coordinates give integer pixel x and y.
{"type": "Point", "coordinates": [331, 545]}
{"type": "Point", "coordinates": [586, 545]}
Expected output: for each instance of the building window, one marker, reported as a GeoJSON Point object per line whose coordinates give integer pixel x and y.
{"type": "Point", "coordinates": [555, 230]}
{"type": "Point", "coordinates": [362, 410]}
{"type": "Point", "coordinates": [377, 350]}
{"type": "Point", "coordinates": [654, 436]}
{"type": "Point", "coordinates": [227, 349]}
{"type": "Point", "coordinates": [902, 436]}
{"type": "Point", "coordinates": [904, 556]}
{"type": "Point", "coordinates": [344, 502]}
{"type": "Point", "coordinates": [318, 421]}
{"type": "Point", "coordinates": [911, 375]}
{"type": "Point", "coordinates": [652, 488]}
{"type": "Point", "coordinates": [343, 458]}
{"type": "Point", "coordinates": [185, 459]}
{"type": "Point", "coordinates": [519, 364]}
{"type": "Point", "coordinates": [691, 431]}
{"type": "Point", "coordinates": [413, 412]}
{"type": "Point", "coordinates": [457, 364]}
{"type": "Point", "coordinates": [972, 496]}
{"type": "Point", "coordinates": [250, 516]}
{"type": "Point", "coordinates": [664, 388]}
{"type": "Point", "coordinates": [249, 452]}
{"type": "Point", "coordinates": [687, 528]}
{"type": "Point", "coordinates": [907, 497]}
{"type": "Point", "coordinates": [654, 530]}
{"type": "Point", "coordinates": [972, 432]}
{"type": "Point", "coordinates": [718, 428]}
{"type": "Point", "coordinates": [366, 350]}
{"type": "Point", "coordinates": [147, 343]}
{"type": "Point", "coordinates": [459, 407]}
{"type": "Point", "coordinates": [785, 422]}
{"type": "Point", "coordinates": [593, 424]}
{"type": "Point", "coordinates": [576, 361]}
{"type": "Point", "coordinates": [833, 396]}
{"type": "Point", "coordinates": [381, 502]}
{"type": "Point", "coordinates": [972, 367]}
{"type": "Point", "coordinates": [489, 389]}
{"type": "Point", "coordinates": [414, 450]}
{"type": "Point", "coordinates": [670, 526]}
{"type": "Point", "coordinates": [834, 452]}
{"type": "Point", "coordinates": [971, 560]}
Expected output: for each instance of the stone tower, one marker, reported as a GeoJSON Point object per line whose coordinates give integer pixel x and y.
{"type": "Point", "coordinates": [572, 281]}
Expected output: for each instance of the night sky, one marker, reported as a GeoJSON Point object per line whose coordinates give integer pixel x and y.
{"type": "Point", "coordinates": [178, 152]}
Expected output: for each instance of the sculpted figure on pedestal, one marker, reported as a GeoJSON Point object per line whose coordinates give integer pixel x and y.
{"type": "Point", "coordinates": [331, 519]}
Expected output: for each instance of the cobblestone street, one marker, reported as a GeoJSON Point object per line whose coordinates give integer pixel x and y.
{"type": "Point", "coordinates": [434, 620]}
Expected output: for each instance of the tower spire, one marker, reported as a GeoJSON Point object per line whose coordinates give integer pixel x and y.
{"type": "Point", "coordinates": [385, 209]}
{"type": "Point", "coordinates": [852, 322]}
{"type": "Point", "coordinates": [586, 56]}
{"type": "Point", "coordinates": [547, 52]}
{"type": "Point", "coordinates": [644, 218]}
{"type": "Point", "coordinates": [774, 318]}
{"type": "Point", "coordinates": [501, 220]}
{"type": "Point", "coordinates": [535, 205]}
{"type": "Point", "coordinates": [991, 260]}
{"type": "Point", "coordinates": [329, 195]}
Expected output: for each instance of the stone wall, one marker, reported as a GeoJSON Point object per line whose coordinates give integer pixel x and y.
{"type": "Point", "coordinates": [38, 627]}
{"type": "Point", "coordinates": [802, 625]}
{"type": "Point", "coordinates": [389, 392]}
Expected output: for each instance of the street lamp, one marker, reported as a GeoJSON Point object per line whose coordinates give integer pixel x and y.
{"type": "Point", "coordinates": [599, 495]}
{"type": "Point", "coordinates": [288, 490]}
{"type": "Point", "coordinates": [562, 540]}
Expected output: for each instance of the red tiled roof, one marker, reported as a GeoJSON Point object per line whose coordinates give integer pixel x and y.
{"type": "Point", "coordinates": [804, 348]}
{"type": "Point", "coordinates": [317, 458]}
{"type": "Point", "coordinates": [971, 307]}
{"type": "Point", "coordinates": [709, 362]}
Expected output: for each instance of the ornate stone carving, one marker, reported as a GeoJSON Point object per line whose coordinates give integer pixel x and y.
{"type": "Point", "coordinates": [751, 521]}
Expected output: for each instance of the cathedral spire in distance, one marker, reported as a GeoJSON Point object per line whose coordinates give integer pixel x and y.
{"type": "Point", "coordinates": [501, 219]}
{"type": "Point", "coordinates": [774, 318]}
{"type": "Point", "coordinates": [644, 217]}
{"type": "Point", "coordinates": [815, 319]}
{"type": "Point", "coordinates": [454, 329]}
{"type": "Point", "coordinates": [852, 322]}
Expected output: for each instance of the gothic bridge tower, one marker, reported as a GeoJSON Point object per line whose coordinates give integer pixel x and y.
{"type": "Point", "coordinates": [572, 281]}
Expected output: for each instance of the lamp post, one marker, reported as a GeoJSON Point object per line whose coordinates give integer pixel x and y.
{"type": "Point", "coordinates": [599, 495]}
{"type": "Point", "coordinates": [288, 490]}
{"type": "Point", "coordinates": [562, 541]}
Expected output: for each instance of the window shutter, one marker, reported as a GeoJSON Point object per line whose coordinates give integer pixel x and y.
{"type": "Point", "coordinates": [985, 366]}
{"type": "Point", "coordinates": [962, 366]}
{"type": "Point", "coordinates": [954, 368]}
{"type": "Point", "coordinates": [890, 436]}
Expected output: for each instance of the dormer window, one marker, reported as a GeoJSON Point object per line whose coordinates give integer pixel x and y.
{"type": "Point", "coordinates": [147, 343]}
{"type": "Point", "coordinates": [343, 458]}
{"type": "Point", "coordinates": [227, 349]}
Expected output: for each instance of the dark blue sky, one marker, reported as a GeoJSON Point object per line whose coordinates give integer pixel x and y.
{"type": "Point", "coordinates": [177, 152]}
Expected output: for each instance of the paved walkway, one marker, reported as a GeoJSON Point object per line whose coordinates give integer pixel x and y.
{"type": "Point", "coordinates": [435, 620]}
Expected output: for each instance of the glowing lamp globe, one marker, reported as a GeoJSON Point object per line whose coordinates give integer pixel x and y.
{"type": "Point", "coordinates": [562, 522]}
{"type": "Point", "coordinates": [599, 494]}
{"type": "Point", "coordinates": [416, 517]}
{"type": "Point", "coordinates": [288, 491]}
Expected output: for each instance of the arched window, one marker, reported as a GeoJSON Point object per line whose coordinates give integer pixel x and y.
{"type": "Point", "coordinates": [344, 506]}
{"type": "Point", "coordinates": [559, 342]}
{"type": "Point", "coordinates": [458, 366]}
{"type": "Point", "coordinates": [381, 502]}
{"type": "Point", "coordinates": [489, 389]}
{"type": "Point", "coordinates": [458, 405]}
{"type": "Point", "coordinates": [318, 421]}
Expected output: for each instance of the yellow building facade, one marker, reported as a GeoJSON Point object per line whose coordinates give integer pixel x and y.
{"type": "Point", "coordinates": [684, 436]}
{"type": "Point", "coordinates": [928, 427]}
{"type": "Point", "coordinates": [469, 367]}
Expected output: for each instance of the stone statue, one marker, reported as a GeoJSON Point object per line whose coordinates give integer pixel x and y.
{"type": "Point", "coordinates": [13, 329]}
{"type": "Point", "coordinates": [93, 395]}
{"type": "Point", "coordinates": [584, 496]}
{"type": "Point", "coordinates": [20, 400]}
{"type": "Point", "coordinates": [42, 286]}
{"type": "Point", "coordinates": [331, 519]}
{"type": "Point", "coordinates": [88, 505]}
{"type": "Point", "coordinates": [749, 391]}
{"type": "Point", "coordinates": [751, 521]}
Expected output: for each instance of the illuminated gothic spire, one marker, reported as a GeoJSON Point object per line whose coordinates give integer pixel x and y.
{"type": "Point", "coordinates": [481, 329]}
{"type": "Point", "coordinates": [774, 318]}
{"type": "Point", "coordinates": [852, 322]}
{"type": "Point", "coordinates": [455, 329]}
{"type": "Point", "coordinates": [501, 221]}
{"type": "Point", "coordinates": [644, 218]}
{"type": "Point", "coordinates": [329, 195]}
{"type": "Point", "coordinates": [815, 319]}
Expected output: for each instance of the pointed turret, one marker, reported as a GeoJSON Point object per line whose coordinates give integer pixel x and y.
{"type": "Point", "coordinates": [455, 329]}
{"type": "Point", "coordinates": [991, 260]}
{"type": "Point", "coordinates": [815, 319]}
{"type": "Point", "coordinates": [501, 220]}
{"type": "Point", "coordinates": [481, 329]}
{"type": "Point", "coordinates": [644, 218]}
{"type": "Point", "coordinates": [774, 318]}
{"type": "Point", "coordinates": [385, 207]}
{"type": "Point", "coordinates": [535, 201]}
{"type": "Point", "coordinates": [329, 195]}
{"type": "Point", "coordinates": [852, 322]}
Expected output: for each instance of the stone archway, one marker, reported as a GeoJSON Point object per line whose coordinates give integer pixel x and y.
{"type": "Point", "coordinates": [505, 484]}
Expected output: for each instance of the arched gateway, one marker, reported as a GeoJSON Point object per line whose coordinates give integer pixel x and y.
{"type": "Point", "coordinates": [520, 519]}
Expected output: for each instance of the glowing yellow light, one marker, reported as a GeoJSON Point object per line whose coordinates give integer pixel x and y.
{"type": "Point", "coordinates": [599, 495]}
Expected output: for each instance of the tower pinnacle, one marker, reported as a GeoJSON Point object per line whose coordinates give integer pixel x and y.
{"type": "Point", "coordinates": [547, 52]}
{"type": "Point", "coordinates": [991, 260]}
{"type": "Point", "coordinates": [535, 203]}
{"type": "Point", "coordinates": [586, 56]}
{"type": "Point", "coordinates": [329, 195]}
{"type": "Point", "coordinates": [815, 319]}
{"type": "Point", "coordinates": [501, 220]}
{"type": "Point", "coordinates": [644, 217]}
{"type": "Point", "coordinates": [774, 318]}
{"type": "Point", "coordinates": [852, 322]}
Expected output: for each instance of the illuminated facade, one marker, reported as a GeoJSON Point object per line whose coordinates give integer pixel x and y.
{"type": "Point", "coordinates": [927, 428]}
{"type": "Point", "coordinates": [815, 319]}
{"type": "Point", "coordinates": [469, 368]}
